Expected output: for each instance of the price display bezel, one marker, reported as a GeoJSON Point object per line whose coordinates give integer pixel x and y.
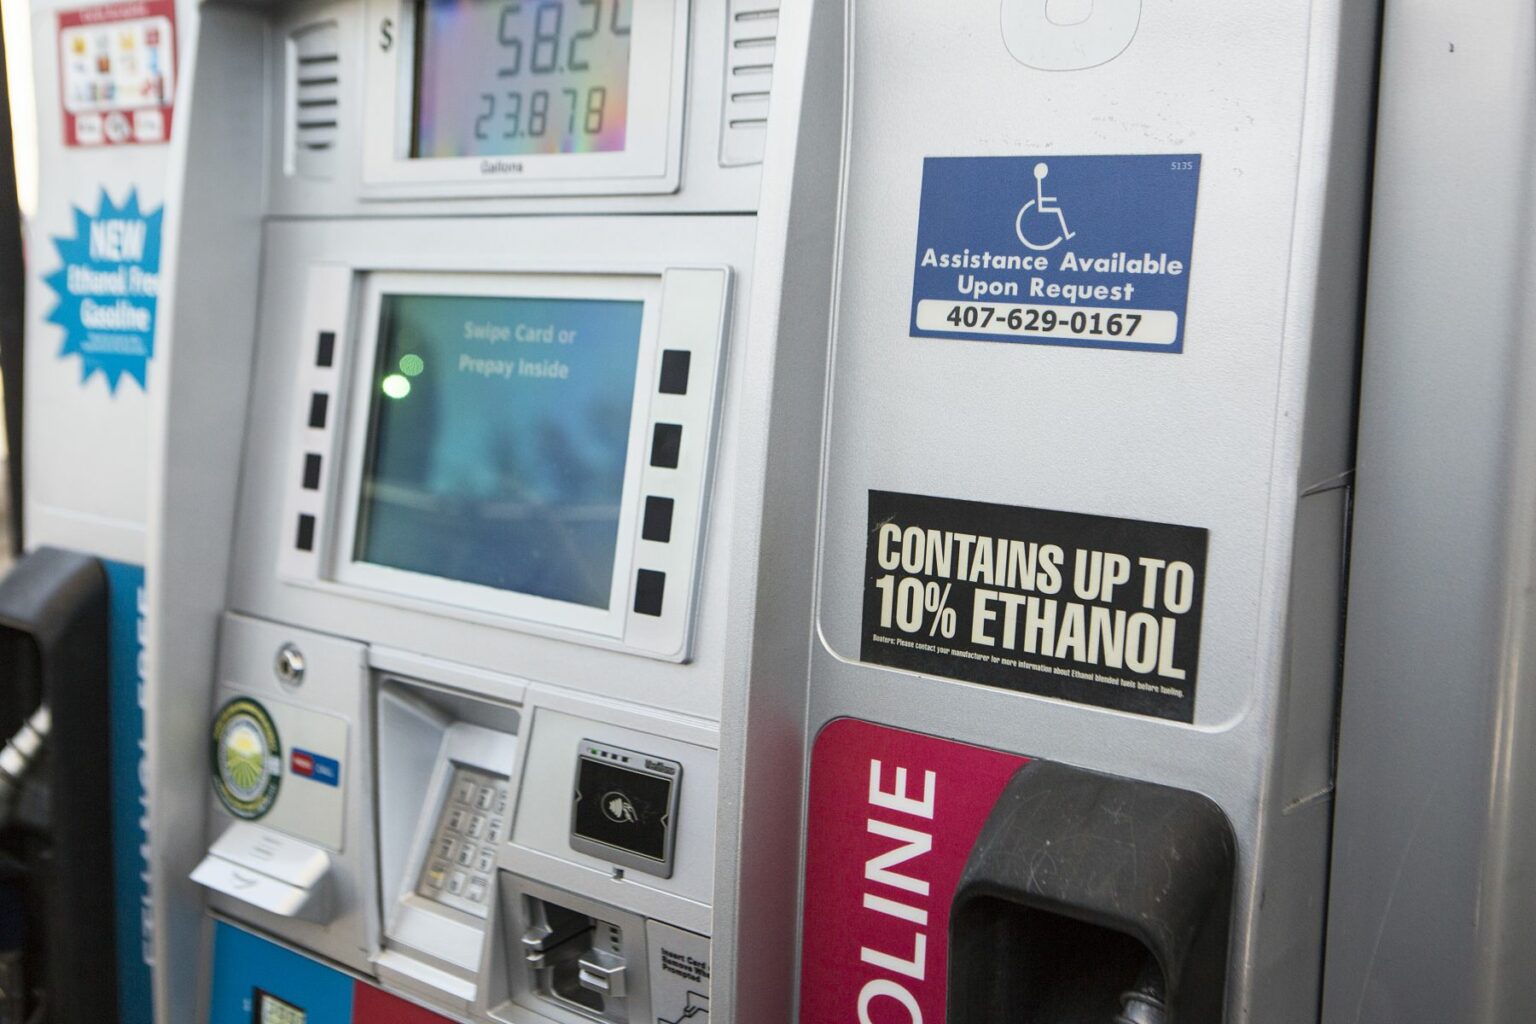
{"type": "Point", "coordinates": [649, 163]}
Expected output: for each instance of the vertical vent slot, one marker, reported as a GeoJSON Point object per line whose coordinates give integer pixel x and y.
{"type": "Point", "coordinates": [314, 73]}
{"type": "Point", "coordinates": [751, 42]}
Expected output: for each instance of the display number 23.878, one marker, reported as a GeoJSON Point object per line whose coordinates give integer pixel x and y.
{"type": "Point", "coordinates": [550, 50]}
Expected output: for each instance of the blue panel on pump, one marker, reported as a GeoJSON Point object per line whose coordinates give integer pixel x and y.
{"type": "Point", "coordinates": [245, 966]}
{"type": "Point", "coordinates": [130, 841]}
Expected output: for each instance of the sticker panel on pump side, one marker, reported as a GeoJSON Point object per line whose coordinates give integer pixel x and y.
{"type": "Point", "coordinates": [1092, 609]}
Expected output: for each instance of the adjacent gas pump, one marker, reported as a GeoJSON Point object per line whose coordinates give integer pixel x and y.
{"type": "Point", "coordinates": [1083, 508]}
{"type": "Point", "coordinates": [1429, 895]}
{"type": "Point", "coordinates": [465, 417]}
{"type": "Point", "coordinates": [102, 102]}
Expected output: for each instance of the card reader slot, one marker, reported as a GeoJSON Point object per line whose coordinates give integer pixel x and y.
{"type": "Point", "coordinates": [540, 946]}
{"type": "Point", "coordinates": [576, 959]}
{"type": "Point", "coordinates": [551, 927]}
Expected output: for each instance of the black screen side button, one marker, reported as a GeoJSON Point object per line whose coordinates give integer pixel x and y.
{"type": "Point", "coordinates": [325, 355]}
{"type": "Point", "coordinates": [311, 471]}
{"type": "Point", "coordinates": [666, 444]}
{"type": "Point", "coordinates": [674, 371]}
{"type": "Point", "coordinates": [657, 524]}
{"type": "Point", "coordinates": [319, 407]}
{"type": "Point", "coordinates": [305, 541]}
{"type": "Point", "coordinates": [649, 587]}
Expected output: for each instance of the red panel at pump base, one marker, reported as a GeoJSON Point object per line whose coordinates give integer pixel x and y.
{"type": "Point", "coordinates": [893, 816]}
{"type": "Point", "coordinates": [372, 1006]}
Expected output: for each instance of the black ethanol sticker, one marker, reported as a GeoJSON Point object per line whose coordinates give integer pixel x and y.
{"type": "Point", "coordinates": [1085, 608]}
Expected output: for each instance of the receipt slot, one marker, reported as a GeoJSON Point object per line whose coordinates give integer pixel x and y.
{"type": "Point", "coordinates": [1084, 495]}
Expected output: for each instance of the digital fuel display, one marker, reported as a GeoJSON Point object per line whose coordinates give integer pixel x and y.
{"type": "Point", "coordinates": [499, 78]}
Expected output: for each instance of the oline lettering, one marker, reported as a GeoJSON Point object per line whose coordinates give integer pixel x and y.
{"type": "Point", "coordinates": [909, 961]}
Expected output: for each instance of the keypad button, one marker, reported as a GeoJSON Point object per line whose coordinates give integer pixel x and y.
{"type": "Point", "coordinates": [456, 883]}
{"type": "Point", "coordinates": [466, 855]}
{"type": "Point", "coordinates": [456, 819]}
{"type": "Point", "coordinates": [493, 830]}
{"type": "Point", "coordinates": [446, 848]}
{"type": "Point", "coordinates": [501, 802]}
{"type": "Point", "coordinates": [486, 861]}
{"type": "Point", "coordinates": [476, 891]}
{"type": "Point", "coordinates": [464, 791]}
{"type": "Point", "coordinates": [476, 827]}
{"type": "Point", "coordinates": [486, 798]}
{"type": "Point", "coordinates": [437, 873]}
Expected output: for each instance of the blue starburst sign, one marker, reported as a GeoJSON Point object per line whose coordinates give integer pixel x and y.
{"type": "Point", "coordinates": [107, 286]}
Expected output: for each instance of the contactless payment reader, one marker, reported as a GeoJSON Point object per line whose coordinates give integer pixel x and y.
{"type": "Point", "coordinates": [624, 807]}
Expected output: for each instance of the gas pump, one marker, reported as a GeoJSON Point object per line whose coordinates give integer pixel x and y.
{"type": "Point", "coordinates": [1439, 605]}
{"type": "Point", "coordinates": [80, 381]}
{"type": "Point", "coordinates": [458, 470]}
{"type": "Point", "coordinates": [621, 465]}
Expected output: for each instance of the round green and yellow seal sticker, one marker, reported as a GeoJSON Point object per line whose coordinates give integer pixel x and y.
{"type": "Point", "coordinates": [247, 758]}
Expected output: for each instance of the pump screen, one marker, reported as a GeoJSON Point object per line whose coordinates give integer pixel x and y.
{"type": "Point", "coordinates": [495, 78]}
{"type": "Point", "coordinates": [498, 440]}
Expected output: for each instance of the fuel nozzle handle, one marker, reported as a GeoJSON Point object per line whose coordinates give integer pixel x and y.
{"type": "Point", "coordinates": [18, 757]}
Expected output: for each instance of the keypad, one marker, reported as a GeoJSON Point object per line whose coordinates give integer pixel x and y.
{"type": "Point", "coordinates": [461, 859]}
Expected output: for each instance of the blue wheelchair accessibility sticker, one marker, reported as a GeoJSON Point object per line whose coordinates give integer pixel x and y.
{"type": "Point", "coordinates": [1091, 251]}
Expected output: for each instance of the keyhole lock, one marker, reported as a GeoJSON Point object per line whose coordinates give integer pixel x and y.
{"type": "Point", "coordinates": [289, 665]}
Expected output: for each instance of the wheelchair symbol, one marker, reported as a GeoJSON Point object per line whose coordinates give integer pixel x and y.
{"type": "Point", "coordinates": [1042, 204]}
